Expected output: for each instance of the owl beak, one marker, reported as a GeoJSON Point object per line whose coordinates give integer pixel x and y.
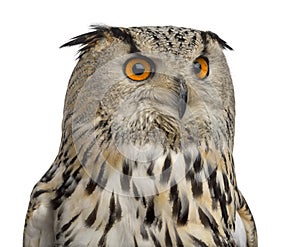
{"type": "Point", "coordinates": [182, 99]}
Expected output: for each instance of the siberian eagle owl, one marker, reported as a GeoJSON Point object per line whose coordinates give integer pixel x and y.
{"type": "Point", "coordinates": [146, 150]}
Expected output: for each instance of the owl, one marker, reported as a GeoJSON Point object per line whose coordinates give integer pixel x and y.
{"type": "Point", "coordinates": [146, 151]}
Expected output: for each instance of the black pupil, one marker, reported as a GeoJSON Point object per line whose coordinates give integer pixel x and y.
{"type": "Point", "coordinates": [197, 67]}
{"type": "Point", "coordinates": [138, 69]}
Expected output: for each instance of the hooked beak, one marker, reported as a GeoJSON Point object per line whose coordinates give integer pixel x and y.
{"type": "Point", "coordinates": [182, 98]}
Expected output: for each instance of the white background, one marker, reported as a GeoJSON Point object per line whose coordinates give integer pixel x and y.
{"type": "Point", "coordinates": [264, 65]}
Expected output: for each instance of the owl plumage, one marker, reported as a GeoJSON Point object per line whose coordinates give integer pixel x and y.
{"type": "Point", "coordinates": [146, 150]}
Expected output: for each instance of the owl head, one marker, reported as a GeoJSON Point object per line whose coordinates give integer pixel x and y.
{"type": "Point", "coordinates": [145, 90]}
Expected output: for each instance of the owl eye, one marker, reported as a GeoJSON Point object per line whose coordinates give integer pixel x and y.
{"type": "Point", "coordinates": [201, 67]}
{"type": "Point", "coordinates": [138, 68]}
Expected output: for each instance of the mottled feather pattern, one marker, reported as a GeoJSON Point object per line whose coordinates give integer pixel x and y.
{"type": "Point", "coordinates": [134, 168]}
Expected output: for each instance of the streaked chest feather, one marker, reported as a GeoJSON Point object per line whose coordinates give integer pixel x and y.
{"type": "Point", "coordinates": [174, 199]}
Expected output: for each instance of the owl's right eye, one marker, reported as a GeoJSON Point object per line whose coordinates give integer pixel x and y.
{"type": "Point", "coordinates": [138, 68]}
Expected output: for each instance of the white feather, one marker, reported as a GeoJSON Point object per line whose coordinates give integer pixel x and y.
{"type": "Point", "coordinates": [240, 233]}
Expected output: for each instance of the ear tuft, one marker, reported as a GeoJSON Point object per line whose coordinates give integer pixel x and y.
{"type": "Point", "coordinates": [215, 37]}
{"type": "Point", "coordinates": [87, 40]}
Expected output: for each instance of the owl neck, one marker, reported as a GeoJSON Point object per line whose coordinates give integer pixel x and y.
{"type": "Point", "coordinates": [161, 166]}
{"type": "Point", "coordinates": [150, 170]}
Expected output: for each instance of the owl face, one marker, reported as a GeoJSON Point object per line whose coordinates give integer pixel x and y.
{"type": "Point", "coordinates": [150, 89]}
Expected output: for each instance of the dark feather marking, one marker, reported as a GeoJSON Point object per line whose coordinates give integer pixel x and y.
{"type": "Point", "coordinates": [135, 243]}
{"type": "Point", "coordinates": [101, 180]}
{"type": "Point", "coordinates": [122, 35]}
{"type": "Point", "coordinates": [212, 221]}
{"type": "Point", "coordinates": [99, 155]}
{"type": "Point", "coordinates": [198, 242]}
{"type": "Point", "coordinates": [103, 124]}
{"type": "Point", "coordinates": [76, 178]}
{"type": "Point", "coordinates": [65, 160]}
{"type": "Point", "coordinates": [112, 207]}
{"type": "Point", "coordinates": [39, 192]}
{"type": "Point", "coordinates": [68, 242]}
{"type": "Point", "coordinates": [66, 226]}
{"type": "Point", "coordinates": [224, 211]}
{"type": "Point", "coordinates": [207, 222]}
{"type": "Point", "coordinates": [213, 186]}
{"type": "Point", "coordinates": [66, 153]}
{"type": "Point", "coordinates": [135, 192]}
{"type": "Point", "coordinates": [184, 212]}
{"type": "Point", "coordinates": [231, 174]}
{"type": "Point", "coordinates": [226, 183]}
{"type": "Point", "coordinates": [126, 176]}
{"type": "Point", "coordinates": [159, 223]}
{"type": "Point", "coordinates": [189, 173]}
{"type": "Point", "coordinates": [204, 39]}
{"type": "Point", "coordinates": [150, 215]}
{"type": "Point", "coordinates": [193, 40]}
{"type": "Point", "coordinates": [155, 240]}
{"type": "Point", "coordinates": [227, 189]}
{"type": "Point", "coordinates": [61, 151]}
{"type": "Point", "coordinates": [150, 169]}
{"type": "Point", "coordinates": [228, 236]}
{"type": "Point", "coordinates": [125, 168]}
{"type": "Point", "coordinates": [225, 161]}
{"type": "Point", "coordinates": [197, 187]}
{"type": "Point", "coordinates": [102, 241]}
{"type": "Point", "coordinates": [76, 175]}
{"type": "Point", "coordinates": [178, 239]}
{"type": "Point", "coordinates": [80, 135]}
{"type": "Point", "coordinates": [217, 240]}
{"type": "Point", "coordinates": [49, 175]}
{"type": "Point", "coordinates": [67, 188]}
{"type": "Point", "coordinates": [218, 195]}
{"type": "Point", "coordinates": [166, 170]}
{"type": "Point", "coordinates": [68, 233]}
{"type": "Point", "coordinates": [56, 202]}
{"type": "Point", "coordinates": [92, 217]}
{"type": "Point", "coordinates": [73, 160]}
{"type": "Point", "coordinates": [176, 203]}
{"type": "Point", "coordinates": [59, 214]}
{"type": "Point", "coordinates": [144, 201]}
{"type": "Point", "coordinates": [143, 232]}
{"type": "Point", "coordinates": [168, 240]}
{"type": "Point", "coordinates": [214, 190]}
{"type": "Point", "coordinates": [176, 208]}
{"type": "Point", "coordinates": [113, 216]}
{"type": "Point", "coordinates": [203, 218]}
{"type": "Point", "coordinates": [90, 187]}
{"type": "Point", "coordinates": [118, 211]}
{"type": "Point", "coordinates": [87, 152]}
{"type": "Point", "coordinates": [174, 192]}
{"type": "Point", "coordinates": [198, 163]}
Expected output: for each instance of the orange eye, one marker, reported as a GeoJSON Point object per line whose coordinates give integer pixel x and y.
{"type": "Point", "coordinates": [201, 67]}
{"type": "Point", "coordinates": [138, 68]}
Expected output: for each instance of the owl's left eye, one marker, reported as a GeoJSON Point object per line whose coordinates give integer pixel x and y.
{"type": "Point", "coordinates": [138, 68]}
{"type": "Point", "coordinates": [201, 67]}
